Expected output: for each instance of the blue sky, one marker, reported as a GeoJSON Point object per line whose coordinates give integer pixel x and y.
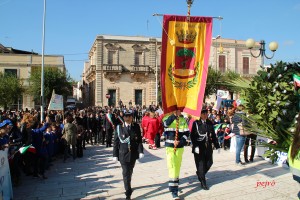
{"type": "Point", "coordinates": [72, 25]}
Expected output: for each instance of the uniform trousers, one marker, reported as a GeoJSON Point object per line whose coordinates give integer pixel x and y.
{"type": "Point", "coordinates": [127, 170]}
{"type": "Point", "coordinates": [174, 160]}
{"type": "Point", "coordinates": [203, 162]}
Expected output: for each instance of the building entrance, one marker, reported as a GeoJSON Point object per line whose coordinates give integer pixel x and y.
{"type": "Point", "coordinates": [112, 98]}
{"type": "Point", "coordinates": [138, 97]}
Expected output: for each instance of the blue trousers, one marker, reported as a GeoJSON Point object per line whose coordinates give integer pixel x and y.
{"type": "Point", "coordinates": [240, 141]}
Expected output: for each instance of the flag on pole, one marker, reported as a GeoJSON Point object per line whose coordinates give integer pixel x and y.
{"type": "Point", "coordinates": [184, 62]}
{"type": "Point", "coordinates": [296, 82]}
{"type": "Point", "coordinates": [217, 127]}
{"type": "Point", "coordinates": [28, 148]}
{"type": "Point", "coordinates": [229, 136]}
{"type": "Point", "coordinates": [56, 102]}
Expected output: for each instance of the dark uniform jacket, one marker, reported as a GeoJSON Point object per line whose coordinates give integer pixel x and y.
{"type": "Point", "coordinates": [206, 133]}
{"type": "Point", "coordinates": [107, 124]}
{"type": "Point", "coordinates": [127, 144]}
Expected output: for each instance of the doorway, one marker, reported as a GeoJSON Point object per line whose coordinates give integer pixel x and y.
{"type": "Point", "coordinates": [138, 97]}
{"type": "Point", "coordinates": [112, 98]}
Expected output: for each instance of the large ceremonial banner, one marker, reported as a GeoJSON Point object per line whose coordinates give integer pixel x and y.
{"type": "Point", "coordinates": [184, 62]}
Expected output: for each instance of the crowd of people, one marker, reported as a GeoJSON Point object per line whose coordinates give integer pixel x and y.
{"type": "Point", "coordinates": [33, 146]}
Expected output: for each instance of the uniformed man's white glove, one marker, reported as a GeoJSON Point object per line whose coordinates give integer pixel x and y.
{"type": "Point", "coordinates": [115, 159]}
{"type": "Point", "coordinates": [197, 151]}
{"type": "Point", "coordinates": [141, 155]}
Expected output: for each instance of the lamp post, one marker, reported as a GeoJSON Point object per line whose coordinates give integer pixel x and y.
{"type": "Point", "coordinates": [42, 71]}
{"type": "Point", "coordinates": [273, 46]}
{"type": "Point", "coordinates": [216, 49]}
{"type": "Point", "coordinates": [156, 74]}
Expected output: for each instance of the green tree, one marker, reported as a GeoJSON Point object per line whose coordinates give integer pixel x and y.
{"type": "Point", "coordinates": [271, 101]}
{"type": "Point", "coordinates": [217, 80]}
{"type": "Point", "coordinates": [213, 81]}
{"type": "Point", "coordinates": [10, 89]}
{"type": "Point", "coordinates": [54, 78]}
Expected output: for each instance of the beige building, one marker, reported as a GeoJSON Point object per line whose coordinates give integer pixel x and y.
{"type": "Point", "coordinates": [124, 68]}
{"type": "Point", "coordinates": [21, 63]}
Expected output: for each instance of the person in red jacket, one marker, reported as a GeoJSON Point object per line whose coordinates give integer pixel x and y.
{"type": "Point", "coordinates": [144, 124]}
{"type": "Point", "coordinates": [152, 130]}
{"type": "Point", "coordinates": [160, 129]}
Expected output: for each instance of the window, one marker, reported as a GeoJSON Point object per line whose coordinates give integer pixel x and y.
{"type": "Point", "coordinates": [245, 65]}
{"type": "Point", "coordinates": [110, 57]}
{"type": "Point", "coordinates": [222, 63]}
{"type": "Point", "coordinates": [113, 98]}
{"type": "Point", "coordinates": [138, 97]}
{"type": "Point", "coordinates": [137, 58]}
{"type": "Point", "coordinates": [12, 72]}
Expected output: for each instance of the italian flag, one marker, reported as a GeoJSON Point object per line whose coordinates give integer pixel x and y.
{"type": "Point", "coordinates": [217, 127]}
{"type": "Point", "coordinates": [229, 136]}
{"type": "Point", "coordinates": [28, 148]}
{"type": "Point", "coordinates": [296, 81]}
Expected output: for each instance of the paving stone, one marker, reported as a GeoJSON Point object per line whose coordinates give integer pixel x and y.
{"type": "Point", "coordinates": [96, 176]}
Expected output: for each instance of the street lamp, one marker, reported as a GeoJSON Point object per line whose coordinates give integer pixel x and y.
{"type": "Point", "coordinates": [221, 50]}
{"type": "Point", "coordinates": [273, 46]}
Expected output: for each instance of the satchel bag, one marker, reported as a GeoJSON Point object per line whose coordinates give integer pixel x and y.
{"type": "Point", "coordinates": [242, 130]}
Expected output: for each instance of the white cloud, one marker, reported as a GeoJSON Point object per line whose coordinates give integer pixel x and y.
{"type": "Point", "coordinates": [288, 42]}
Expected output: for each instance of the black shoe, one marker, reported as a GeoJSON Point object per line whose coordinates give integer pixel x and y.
{"type": "Point", "coordinates": [175, 196]}
{"type": "Point", "coordinates": [203, 184]}
{"type": "Point", "coordinates": [128, 194]}
{"type": "Point", "coordinates": [251, 160]}
{"type": "Point", "coordinates": [246, 160]}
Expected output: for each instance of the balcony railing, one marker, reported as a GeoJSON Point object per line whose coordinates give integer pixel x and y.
{"type": "Point", "coordinates": [140, 69]}
{"type": "Point", "coordinates": [90, 71]}
{"type": "Point", "coordinates": [112, 68]}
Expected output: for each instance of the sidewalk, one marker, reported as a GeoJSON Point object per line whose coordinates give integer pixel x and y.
{"type": "Point", "coordinates": [96, 176]}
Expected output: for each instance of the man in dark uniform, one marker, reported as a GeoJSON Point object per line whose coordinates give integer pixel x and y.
{"type": "Point", "coordinates": [109, 126]}
{"type": "Point", "coordinates": [202, 136]}
{"type": "Point", "coordinates": [127, 149]}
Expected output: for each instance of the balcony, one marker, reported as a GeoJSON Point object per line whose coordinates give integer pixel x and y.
{"type": "Point", "coordinates": [112, 71]}
{"type": "Point", "coordinates": [90, 72]}
{"type": "Point", "coordinates": [112, 68]}
{"type": "Point", "coordinates": [140, 69]}
{"type": "Point", "coordinates": [140, 72]}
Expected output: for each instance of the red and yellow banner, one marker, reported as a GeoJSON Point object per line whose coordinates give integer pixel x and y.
{"type": "Point", "coordinates": [184, 62]}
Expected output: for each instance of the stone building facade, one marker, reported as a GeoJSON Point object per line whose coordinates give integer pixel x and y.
{"type": "Point", "coordinates": [21, 63]}
{"type": "Point", "coordinates": [123, 68]}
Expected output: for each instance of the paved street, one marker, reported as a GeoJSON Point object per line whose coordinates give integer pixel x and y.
{"type": "Point", "coordinates": [96, 176]}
